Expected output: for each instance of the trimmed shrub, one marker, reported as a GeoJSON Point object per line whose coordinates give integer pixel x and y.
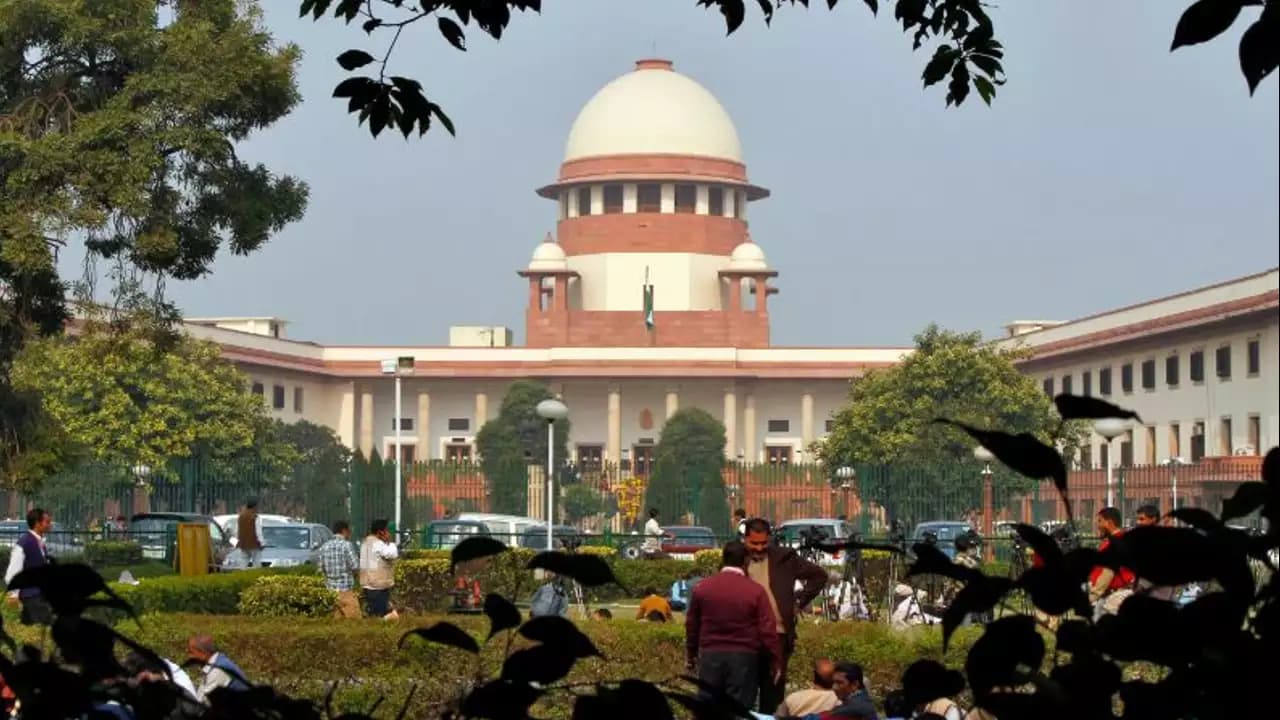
{"type": "Point", "coordinates": [217, 594]}
{"type": "Point", "coordinates": [288, 595]}
{"type": "Point", "coordinates": [707, 562]}
{"type": "Point", "coordinates": [604, 551]}
{"type": "Point", "coordinates": [112, 553]}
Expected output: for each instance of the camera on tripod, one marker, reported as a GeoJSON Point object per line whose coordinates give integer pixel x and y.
{"type": "Point", "coordinates": [811, 538]}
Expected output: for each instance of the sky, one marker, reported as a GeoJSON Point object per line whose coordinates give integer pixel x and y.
{"type": "Point", "coordinates": [1108, 171]}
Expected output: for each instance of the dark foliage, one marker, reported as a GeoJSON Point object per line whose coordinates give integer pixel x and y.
{"type": "Point", "coordinates": [967, 56]}
{"type": "Point", "coordinates": [1213, 654]}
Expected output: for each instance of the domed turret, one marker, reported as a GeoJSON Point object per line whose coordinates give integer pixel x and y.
{"type": "Point", "coordinates": [748, 257]}
{"type": "Point", "coordinates": [548, 257]}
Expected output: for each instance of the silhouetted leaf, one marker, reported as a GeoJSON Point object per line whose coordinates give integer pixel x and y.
{"type": "Point", "coordinates": [1140, 631]}
{"type": "Point", "coordinates": [1056, 589]}
{"type": "Point", "coordinates": [873, 4]}
{"type": "Point", "coordinates": [1022, 453]}
{"type": "Point", "coordinates": [1271, 468]}
{"type": "Point", "coordinates": [1081, 407]}
{"type": "Point", "coordinates": [958, 88]}
{"type": "Point", "coordinates": [1197, 518]}
{"type": "Point", "coordinates": [733, 10]}
{"type": "Point", "coordinates": [555, 630]}
{"type": "Point", "coordinates": [1248, 497]}
{"type": "Point", "coordinates": [353, 59]}
{"type": "Point", "coordinates": [938, 67]}
{"type": "Point", "coordinates": [639, 699]}
{"type": "Point", "coordinates": [711, 702]}
{"type": "Point", "coordinates": [445, 634]}
{"type": "Point", "coordinates": [1009, 648]}
{"type": "Point", "coordinates": [502, 614]}
{"type": "Point", "coordinates": [932, 561]}
{"type": "Point", "coordinates": [500, 700]}
{"type": "Point", "coordinates": [588, 570]}
{"type": "Point", "coordinates": [543, 664]}
{"type": "Point", "coordinates": [1043, 545]}
{"type": "Point", "coordinates": [70, 588]}
{"type": "Point", "coordinates": [979, 595]}
{"type": "Point", "coordinates": [927, 680]}
{"type": "Point", "coordinates": [766, 7]}
{"type": "Point", "coordinates": [371, 25]}
{"type": "Point", "coordinates": [452, 32]}
{"type": "Point", "coordinates": [985, 89]}
{"type": "Point", "coordinates": [1176, 556]}
{"type": "Point", "coordinates": [1204, 21]}
{"type": "Point", "coordinates": [1075, 636]}
{"type": "Point", "coordinates": [474, 548]}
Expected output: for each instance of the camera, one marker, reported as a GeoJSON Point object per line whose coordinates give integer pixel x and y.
{"type": "Point", "coordinates": [812, 537]}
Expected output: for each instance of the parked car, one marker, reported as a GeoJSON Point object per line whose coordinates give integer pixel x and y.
{"type": "Point", "coordinates": [445, 534]}
{"type": "Point", "coordinates": [59, 543]}
{"type": "Point", "coordinates": [686, 540]}
{"type": "Point", "coordinates": [535, 538]}
{"type": "Point", "coordinates": [945, 530]}
{"type": "Point", "coordinates": [230, 523]}
{"type": "Point", "coordinates": [506, 528]}
{"type": "Point", "coordinates": [285, 545]}
{"type": "Point", "coordinates": [157, 533]}
{"type": "Point", "coordinates": [791, 532]}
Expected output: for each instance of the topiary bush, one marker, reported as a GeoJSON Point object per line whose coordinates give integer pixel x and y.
{"type": "Point", "coordinates": [112, 553]}
{"type": "Point", "coordinates": [288, 596]}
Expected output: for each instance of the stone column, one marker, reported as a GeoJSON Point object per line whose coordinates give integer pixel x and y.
{"type": "Point", "coordinates": [613, 446]}
{"type": "Point", "coordinates": [673, 401]}
{"type": "Point", "coordinates": [366, 422]}
{"type": "Point", "coordinates": [482, 411]}
{"type": "Point", "coordinates": [806, 420]}
{"type": "Point", "coordinates": [749, 450]}
{"type": "Point", "coordinates": [424, 426]}
{"type": "Point", "coordinates": [347, 415]}
{"type": "Point", "coordinates": [731, 422]}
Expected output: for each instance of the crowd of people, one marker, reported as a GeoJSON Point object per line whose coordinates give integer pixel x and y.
{"type": "Point", "coordinates": [740, 622]}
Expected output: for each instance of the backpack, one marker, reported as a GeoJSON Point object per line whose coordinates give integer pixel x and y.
{"type": "Point", "coordinates": [548, 600]}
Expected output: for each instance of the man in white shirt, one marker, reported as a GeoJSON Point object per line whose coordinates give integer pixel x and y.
{"type": "Point", "coordinates": [377, 576]}
{"type": "Point", "coordinates": [217, 671]}
{"type": "Point", "coordinates": [653, 535]}
{"type": "Point", "coordinates": [144, 670]}
{"type": "Point", "coordinates": [28, 553]}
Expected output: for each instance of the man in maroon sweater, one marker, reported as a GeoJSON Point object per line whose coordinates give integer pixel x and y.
{"type": "Point", "coordinates": [728, 625]}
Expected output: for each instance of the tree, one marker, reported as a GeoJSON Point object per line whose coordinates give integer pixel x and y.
{"type": "Point", "coordinates": [581, 502]}
{"type": "Point", "coordinates": [966, 55]}
{"type": "Point", "coordinates": [317, 480]}
{"type": "Point", "coordinates": [686, 468]}
{"type": "Point", "coordinates": [890, 420]}
{"type": "Point", "coordinates": [118, 124]}
{"type": "Point", "coordinates": [509, 443]}
{"type": "Point", "coordinates": [125, 397]}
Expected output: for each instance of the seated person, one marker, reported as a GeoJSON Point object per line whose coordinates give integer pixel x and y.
{"type": "Point", "coordinates": [602, 614]}
{"type": "Point", "coordinates": [653, 602]}
{"type": "Point", "coordinates": [680, 591]}
{"type": "Point", "coordinates": [907, 610]}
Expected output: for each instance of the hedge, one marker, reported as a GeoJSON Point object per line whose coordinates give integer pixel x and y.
{"type": "Point", "coordinates": [106, 553]}
{"type": "Point", "coordinates": [216, 594]}
{"type": "Point", "coordinates": [304, 656]}
{"type": "Point", "coordinates": [288, 596]}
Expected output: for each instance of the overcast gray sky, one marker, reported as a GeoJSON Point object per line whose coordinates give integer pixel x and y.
{"type": "Point", "coordinates": [1109, 171]}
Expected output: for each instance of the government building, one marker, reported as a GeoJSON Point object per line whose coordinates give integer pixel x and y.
{"type": "Point", "coordinates": [652, 295]}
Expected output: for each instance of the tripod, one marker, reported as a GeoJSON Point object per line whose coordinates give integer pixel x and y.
{"type": "Point", "coordinates": [852, 582]}
{"type": "Point", "coordinates": [896, 561]}
{"type": "Point", "coordinates": [574, 589]}
{"type": "Point", "coordinates": [1017, 566]}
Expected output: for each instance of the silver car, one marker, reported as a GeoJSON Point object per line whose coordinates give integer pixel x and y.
{"type": "Point", "coordinates": [286, 545]}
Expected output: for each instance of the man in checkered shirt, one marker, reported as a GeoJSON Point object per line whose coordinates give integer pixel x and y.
{"type": "Point", "coordinates": [338, 563]}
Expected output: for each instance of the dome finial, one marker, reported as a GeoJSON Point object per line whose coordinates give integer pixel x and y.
{"type": "Point", "coordinates": [549, 239]}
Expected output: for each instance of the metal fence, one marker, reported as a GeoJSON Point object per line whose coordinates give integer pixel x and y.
{"type": "Point", "coordinates": [605, 499]}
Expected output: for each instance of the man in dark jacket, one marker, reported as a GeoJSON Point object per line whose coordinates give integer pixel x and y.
{"type": "Point", "coordinates": [29, 553]}
{"type": "Point", "coordinates": [729, 625]}
{"type": "Point", "coordinates": [777, 570]}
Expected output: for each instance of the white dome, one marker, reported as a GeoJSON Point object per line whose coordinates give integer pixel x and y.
{"type": "Point", "coordinates": [653, 110]}
{"type": "Point", "coordinates": [548, 256]}
{"type": "Point", "coordinates": [748, 256]}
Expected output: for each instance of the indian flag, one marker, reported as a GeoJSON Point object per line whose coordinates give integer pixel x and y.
{"type": "Point", "coordinates": [648, 305]}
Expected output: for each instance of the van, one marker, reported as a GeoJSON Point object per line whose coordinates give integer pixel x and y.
{"type": "Point", "coordinates": [508, 529]}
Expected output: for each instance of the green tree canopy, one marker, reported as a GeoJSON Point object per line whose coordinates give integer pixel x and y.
{"type": "Point", "coordinates": [890, 414]}
{"type": "Point", "coordinates": [126, 397]}
{"type": "Point", "coordinates": [889, 421]}
{"type": "Point", "coordinates": [118, 124]}
{"type": "Point", "coordinates": [513, 440]}
{"type": "Point", "coordinates": [317, 479]}
{"type": "Point", "coordinates": [686, 470]}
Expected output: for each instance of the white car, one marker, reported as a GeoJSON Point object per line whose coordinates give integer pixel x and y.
{"type": "Point", "coordinates": [789, 534]}
{"type": "Point", "coordinates": [230, 526]}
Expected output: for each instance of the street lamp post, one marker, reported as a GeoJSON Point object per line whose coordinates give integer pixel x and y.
{"type": "Point", "coordinates": [398, 367]}
{"type": "Point", "coordinates": [1110, 428]}
{"type": "Point", "coordinates": [985, 457]}
{"type": "Point", "coordinates": [845, 474]}
{"type": "Point", "coordinates": [551, 410]}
